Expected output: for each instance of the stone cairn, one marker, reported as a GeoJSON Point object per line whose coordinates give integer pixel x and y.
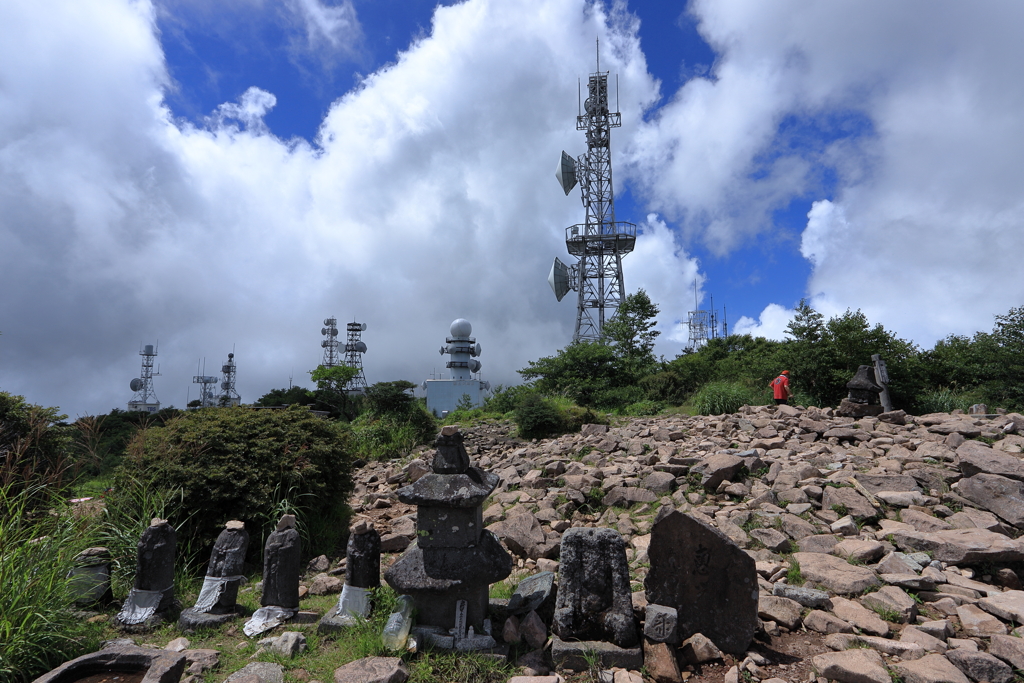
{"type": "Point", "coordinates": [216, 603]}
{"type": "Point", "coordinates": [450, 566]}
{"type": "Point", "coordinates": [863, 397]}
{"type": "Point", "coordinates": [281, 571]}
{"type": "Point", "coordinates": [151, 598]}
{"type": "Point", "coordinates": [362, 573]}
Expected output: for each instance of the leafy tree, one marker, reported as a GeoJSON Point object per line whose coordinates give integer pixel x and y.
{"type": "Point", "coordinates": [632, 332]}
{"type": "Point", "coordinates": [330, 389]}
{"type": "Point", "coordinates": [295, 395]}
{"type": "Point", "coordinates": [588, 372]}
{"type": "Point", "coordinates": [823, 357]}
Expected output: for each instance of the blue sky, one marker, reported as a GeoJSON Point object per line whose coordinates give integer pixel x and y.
{"type": "Point", "coordinates": [219, 176]}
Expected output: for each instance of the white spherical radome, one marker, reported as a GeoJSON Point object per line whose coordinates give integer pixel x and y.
{"type": "Point", "coordinates": [461, 329]}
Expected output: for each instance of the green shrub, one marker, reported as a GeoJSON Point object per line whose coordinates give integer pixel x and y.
{"type": "Point", "coordinates": [394, 423]}
{"type": "Point", "coordinates": [245, 464]}
{"type": "Point", "coordinates": [645, 407]}
{"type": "Point", "coordinates": [717, 398]}
{"type": "Point", "coordinates": [664, 386]}
{"type": "Point", "coordinates": [538, 417]}
{"type": "Point", "coordinates": [504, 399]}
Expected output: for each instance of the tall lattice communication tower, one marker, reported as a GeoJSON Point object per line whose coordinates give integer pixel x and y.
{"type": "Point", "coordinates": [228, 395]}
{"type": "Point", "coordinates": [145, 399]}
{"type": "Point", "coordinates": [207, 383]}
{"type": "Point", "coordinates": [330, 344]}
{"type": "Point", "coordinates": [703, 325]}
{"type": "Point", "coordinates": [600, 243]}
{"type": "Point", "coordinates": [354, 350]}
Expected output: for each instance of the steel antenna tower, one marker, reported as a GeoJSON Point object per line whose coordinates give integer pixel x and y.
{"type": "Point", "coordinates": [330, 345]}
{"type": "Point", "coordinates": [207, 397]}
{"type": "Point", "coordinates": [354, 350]}
{"type": "Point", "coordinates": [601, 242]}
{"type": "Point", "coordinates": [145, 396]}
{"type": "Point", "coordinates": [228, 395]}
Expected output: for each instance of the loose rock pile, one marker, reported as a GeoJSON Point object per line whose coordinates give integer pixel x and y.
{"type": "Point", "coordinates": [881, 546]}
{"type": "Point", "coordinates": [892, 539]}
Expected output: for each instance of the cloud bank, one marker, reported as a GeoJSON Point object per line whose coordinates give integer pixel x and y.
{"type": "Point", "coordinates": [428, 196]}
{"type": "Point", "coordinates": [900, 122]}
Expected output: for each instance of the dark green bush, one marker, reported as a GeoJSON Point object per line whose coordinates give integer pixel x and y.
{"type": "Point", "coordinates": [538, 417]}
{"type": "Point", "coordinates": [504, 399]}
{"type": "Point", "coordinates": [394, 423]}
{"type": "Point", "coordinates": [664, 386]}
{"type": "Point", "coordinates": [246, 464]}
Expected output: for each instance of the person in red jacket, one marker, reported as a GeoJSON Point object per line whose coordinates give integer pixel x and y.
{"type": "Point", "coordinates": [780, 385]}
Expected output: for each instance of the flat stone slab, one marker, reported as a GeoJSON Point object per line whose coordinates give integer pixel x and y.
{"type": "Point", "coordinates": [190, 620]}
{"type": "Point", "coordinates": [706, 577]}
{"type": "Point", "coordinates": [980, 666]}
{"type": "Point", "coordinates": [372, 670]}
{"type": "Point", "coordinates": [999, 495]}
{"type": "Point", "coordinates": [975, 457]}
{"type": "Point", "coordinates": [934, 668]}
{"type": "Point", "coordinates": [979, 623]}
{"type": "Point", "coordinates": [962, 546]}
{"type": "Point", "coordinates": [573, 655]}
{"type": "Point", "coordinates": [808, 597]}
{"type": "Point", "coordinates": [852, 666]}
{"type": "Point", "coordinates": [1010, 649]}
{"type": "Point", "coordinates": [835, 574]}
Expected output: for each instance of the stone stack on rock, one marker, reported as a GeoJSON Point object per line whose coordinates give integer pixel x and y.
{"type": "Point", "coordinates": [450, 566]}
{"type": "Point", "coordinates": [863, 398]}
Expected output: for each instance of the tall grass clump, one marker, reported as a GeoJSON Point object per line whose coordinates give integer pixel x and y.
{"type": "Point", "coordinates": [944, 400]}
{"type": "Point", "coordinates": [38, 629]}
{"type": "Point", "coordinates": [718, 398]}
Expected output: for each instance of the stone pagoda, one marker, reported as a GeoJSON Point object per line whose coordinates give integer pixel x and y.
{"type": "Point", "coordinates": [449, 568]}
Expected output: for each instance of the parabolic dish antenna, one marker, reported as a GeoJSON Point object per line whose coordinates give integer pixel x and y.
{"type": "Point", "coordinates": [136, 384]}
{"type": "Point", "coordinates": [558, 278]}
{"type": "Point", "coordinates": [566, 173]}
{"type": "Point", "coordinates": [362, 327]}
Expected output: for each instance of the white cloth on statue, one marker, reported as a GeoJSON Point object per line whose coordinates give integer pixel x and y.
{"type": "Point", "coordinates": [354, 602]}
{"type": "Point", "coordinates": [213, 587]}
{"type": "Point", "coordinates": [140, 605]}
{"type": "Point", "coordinates": [266, 618]}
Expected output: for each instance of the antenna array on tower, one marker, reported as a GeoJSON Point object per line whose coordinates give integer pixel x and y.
{"type": "Point", "coordinates": [330, 344]}
{"type": "Point", "coordinates": [600, 243]}
{"type": "Point", "coordinates": [354, 350]}
{"type": "Point", "coordinates": [145, 399]}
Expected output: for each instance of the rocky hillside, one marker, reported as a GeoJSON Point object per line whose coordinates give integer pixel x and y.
{"type": "Point", "coordinates": [907, 524]}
